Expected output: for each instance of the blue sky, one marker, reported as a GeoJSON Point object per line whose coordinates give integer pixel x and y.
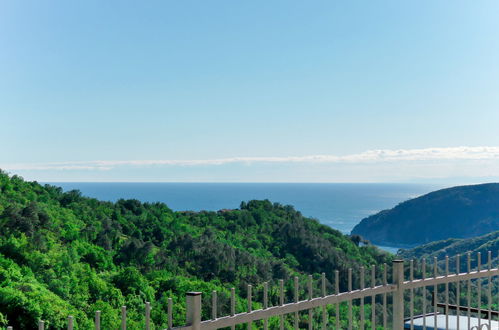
{"type": "Point", "coordinates": [250, 90]}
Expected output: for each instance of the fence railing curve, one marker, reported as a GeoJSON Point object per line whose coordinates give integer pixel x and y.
{"type": "Point", "coordinates": [444, 280]}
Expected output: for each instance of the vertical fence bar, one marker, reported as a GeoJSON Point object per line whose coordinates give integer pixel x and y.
{"type": "Point", "coordinates": [350, 321]}
{"type": "Point", "coordinates": [97, 320]}
{"type": "Point", "coordinates": [435, 292]}
{"type": "Point", "coordinates": [411, 303]}
{"type": "Point", "coordinates": [489, 291]}
{"type": "Point", "coordinates": [170, 313]}
{"type": "Point", "coordinates": [423, 272]}
{"type": "Point", "coordinates": [281, 302]}
{"type": "Point", "coordinates": [193, 309]}
{"type": "Point", "coordinates": [373, 298]}
{"type": "Point", "coordinates": [148, 315]}
{"type": "Point", "coordinates": [398, 295]}
{"type": "Point", "coordinates": [296, 300]}
{"type": "Point", "coordinates": [323, 294]}
{"type": "Point", "coordinates": [232, 305]}
{"type": "Point", "coordinates": [265, 303]}
{"type": "Point", "coordinates": [362, 287]}
{"type": "Point", "coordinates": [458, 288]}
{"type": "Point", "coordinates": [337, 290]}
{"type": "Point", "coordinates": [41, 325]}
{"type": "Point", "coordinates": [214, 305]}
{"type": "Point", "coordinates": [123, 317]}
{"type": "Point", "coordinates": [310, 311]}
{"type": "Point", "coordinates": [250, 304]}
{"type": "Point", "coordinates": [70, 322]}
{"type": "Point", "coordinates": [447, 292]}
{"type": "Point", "coordinates": [385, 283]}
{"type": "Point", "coordinates": [469, 291]}
{"type": "Point", "coordinates": [479, 297]}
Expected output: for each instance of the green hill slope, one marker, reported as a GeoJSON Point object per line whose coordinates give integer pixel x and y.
{"type": "Point", "coordinates": [453, 246]}
{"type": "Point", "coordinates": [459, 212]}
{"type": "Point", "coordinates": [62, 254]}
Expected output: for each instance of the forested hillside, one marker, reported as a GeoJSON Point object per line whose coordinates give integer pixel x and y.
{"type": "Point", "coordinates": [63, 254]}
{"type": "Point", "coordinates": [453, 246]}
{"type": "Point", "coordinates": [458, 212]}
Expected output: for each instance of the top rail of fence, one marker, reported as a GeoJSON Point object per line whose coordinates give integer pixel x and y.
{"type": "Point", "coordinates": [403, 284]}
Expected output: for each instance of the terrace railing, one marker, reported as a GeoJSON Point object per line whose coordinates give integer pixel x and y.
{"type": "Point", "coordinates": [402, 300]}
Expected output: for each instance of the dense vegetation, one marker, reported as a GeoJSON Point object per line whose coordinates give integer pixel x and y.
{"type": "Point", "coordinates": [454, 246]}
{"type": "Point", "coordinates": [458, 212]}
{"type": "Point", "coordinates": [63, 254]}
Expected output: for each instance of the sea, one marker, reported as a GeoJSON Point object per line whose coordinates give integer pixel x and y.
{"type": "Point", "coordinates": [338, 205]}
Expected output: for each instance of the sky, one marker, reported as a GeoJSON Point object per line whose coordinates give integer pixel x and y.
{"type": "Point", "coordinates": [250, 91]}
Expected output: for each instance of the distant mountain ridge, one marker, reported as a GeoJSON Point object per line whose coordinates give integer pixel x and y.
{"type": "Point", "coordinates": [457, 212]}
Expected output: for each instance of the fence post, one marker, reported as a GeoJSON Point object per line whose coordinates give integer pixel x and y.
{"type": "Point", "coordinates": [70, 322]}
{"type": "Point", "coordinates": [193, 317]}
{"type": "Point", "coordinates": [170, 313]}
{"type": "Point", "coordinates": [97, 320]}
{"type": "Point", "coordinates": [123, 317]}
{"type": "Point", "coordinates": [9, 328]}
{"type": "Point", "coordinates": [398, 295]}
{"type": "Point", "coordinates": [148, 315]}
{"type": "Point", "coordinates": [41, 325]}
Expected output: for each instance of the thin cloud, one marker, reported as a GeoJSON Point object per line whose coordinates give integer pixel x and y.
{"type": "Point", "coordinates": [370, 156]}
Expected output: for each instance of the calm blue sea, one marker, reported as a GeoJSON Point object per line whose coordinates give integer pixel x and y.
{"type": "Point", "coordinates": [339, 205]}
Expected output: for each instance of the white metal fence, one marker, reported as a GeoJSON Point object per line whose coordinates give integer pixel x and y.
{"type": "Point", "coordinates": [402, 300]}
